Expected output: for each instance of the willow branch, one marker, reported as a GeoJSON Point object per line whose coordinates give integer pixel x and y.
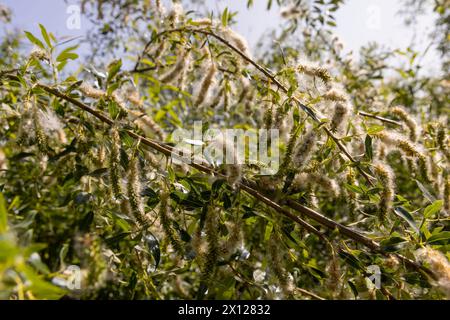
{"type": "Point", "coordinates": [310, 112]}
{"type": "Point", "coordinates": [319, 218]}
{"type": "Point", "coordinates": [369, 115]}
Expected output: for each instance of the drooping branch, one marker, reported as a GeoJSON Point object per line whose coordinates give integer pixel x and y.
{"type": "Point", "coordinates": [247, 187]}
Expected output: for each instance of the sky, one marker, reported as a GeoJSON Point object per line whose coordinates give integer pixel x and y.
{"type": "Point", "coordinates": [358, 22]}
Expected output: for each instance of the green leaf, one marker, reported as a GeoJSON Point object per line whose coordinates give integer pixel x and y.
{"type": "Point", "coordinates": [425, 192]}
{"type": "Point", "coordinates": [40, 288]}
{"type": "Point", "coordinates": [34, 40]}
{"type": "Point", "coordinates": [433, 208]}
{"type": "Point", "coordinates": [66, 54]}
{"type": "Point", "coordinates": [392, 244]}
{"type": "Point", "coordinates": [375, 129]}
{"type": "Point", "coordinates": [268, 231]}
{"type": "Point", "coordinates": [113, 69]}
{"type": "Point", "coordinates": [3, 215]}
{"type": "Point", "coordinates": [225, 17]}
{"type": "Point", "coordinates": [405, 215]}
{"type": "Point", "coordinates": [61, 65]}
{"type": "Point", "coordinates": [441, 238]}
{"type": "Point", "coordinates": [45, 35]}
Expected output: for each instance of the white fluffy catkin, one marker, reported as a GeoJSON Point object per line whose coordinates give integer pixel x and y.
{"type": "Point", "coordinates": [386, 177]}
{"type": "Point", "coordinates": [313, 70]}
{"type": "Point", "coordinates": [134, 193]}
{"type": "Point", "coordinates": [439, 265]}
{"type": "Point", "coordinates": [237, 40]}
{"type": "Point", "coordinates": [341, 112]}
{"type": "Point", "coordinates": [206, 85]}
{"type": "Point", "coordinates": [90, 91]}
{"type": "Point", "coordinates": [305, 149]}
{"type": "Point", "coordinates": [408, 120]}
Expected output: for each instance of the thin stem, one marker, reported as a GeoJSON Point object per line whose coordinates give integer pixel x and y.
{"type": "Point", "coordinates": [369, 115]}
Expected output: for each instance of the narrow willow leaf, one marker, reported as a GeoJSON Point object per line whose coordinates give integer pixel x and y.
{"type": "Point", "coordinates": [433, 208]}
{"type": "Point", "coordinates": [34, 40]}
{"type": "Point", "coordinates": [3, 215]}
{"type": "Point", "coordinates": [45, 35]}
{"type": "Point", "coordinates": [405, 215]}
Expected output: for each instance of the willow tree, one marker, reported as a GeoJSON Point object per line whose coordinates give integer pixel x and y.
{"type": "Point", "coordinates": [89, 179]}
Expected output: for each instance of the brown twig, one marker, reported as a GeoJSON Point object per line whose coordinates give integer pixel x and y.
{"type": "Point", "coordinates": [369, 115]}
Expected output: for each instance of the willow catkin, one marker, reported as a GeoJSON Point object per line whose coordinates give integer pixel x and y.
{"type": "Point", "coordinates": [217, 98]}
{"type": "Point", "coordinates": [90, 91]}
{"type": "Point", "coordinates": [134, 97]}
{"type": "Point", "coordinates": [237, 40]}
{"type": "Point", "coordinates": [408, 120]}
{"type": "Point", "coordinates": [439, 265]}
{"type": "Point", "coordinates": [39, 54]}
{"type": "Point", "coordinates": [335, 95]}
{"type": "Point", "coordinates": [287, 160]}
{"type": "Point", "coordinates": [446, 193]}
{"type": "Point", "coordinates": [114, 164]}
{"type": "Point", "coordinates": [176, 13]}
{"type": "Point", "coordinates": [160, 10]}
{"type": "Point", "coordinates": [100, 156]}
{"type": "Point", "coordinates": [146, 124]}
{"type": "Point", "coordinates": [3, 164]}
{"type": "Point", "coordinates": [51, 125]}
{"type": "Point", "coordinates": [212, 238]}
{"type": "Point", "coordinates": [96, 265]}
{"type": "Point", "coordinates": [41, 138]}
{"type": "Point", "coordinates": [316, 181]}
{"type": "Point", "coordinates": [120, 102]}
{"type": "Point", "coordinates": [268, 117]}
{"type": "Point", "coordinates": [314, 71]}
{"type": "Point", "coordinates": [234, 237]}
{"type": "Point", "coordinates": [233, 173]}
{"type": "Point", "coordinates": [409, 149]}
{"type": "Point", "coordinates": [134, 193]}
{"type": "Point", "coordinates": [245, 89]}
{"type": "Point", "coordinates": [205, 85]}
{"type": "Point", "coordinates": [351, 196]}
{"type": "Point", "coordinates": [442, 140]}
{"type": "Point", "coordinates": [334, 276]}
{"type": "Point", "coordinates": [341, 112]}
{"type": "Point", "coordinates": [179, 68]}
{"type": "Point", "coordinates": [386, 176]}
{"type": "Point", "coordinates": [305, 149]}
{"type": "Point", "coordinates": [166, 223]}
{"type": "Point", "coordinates": [276, 264]}
{"type": "Point", "coordinates": [293, 11]}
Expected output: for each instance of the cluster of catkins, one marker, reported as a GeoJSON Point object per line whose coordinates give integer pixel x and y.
{"type": "Point", "coordinates": [41, 127]}
{"type": "Point", "coordinates": [304, 169]}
